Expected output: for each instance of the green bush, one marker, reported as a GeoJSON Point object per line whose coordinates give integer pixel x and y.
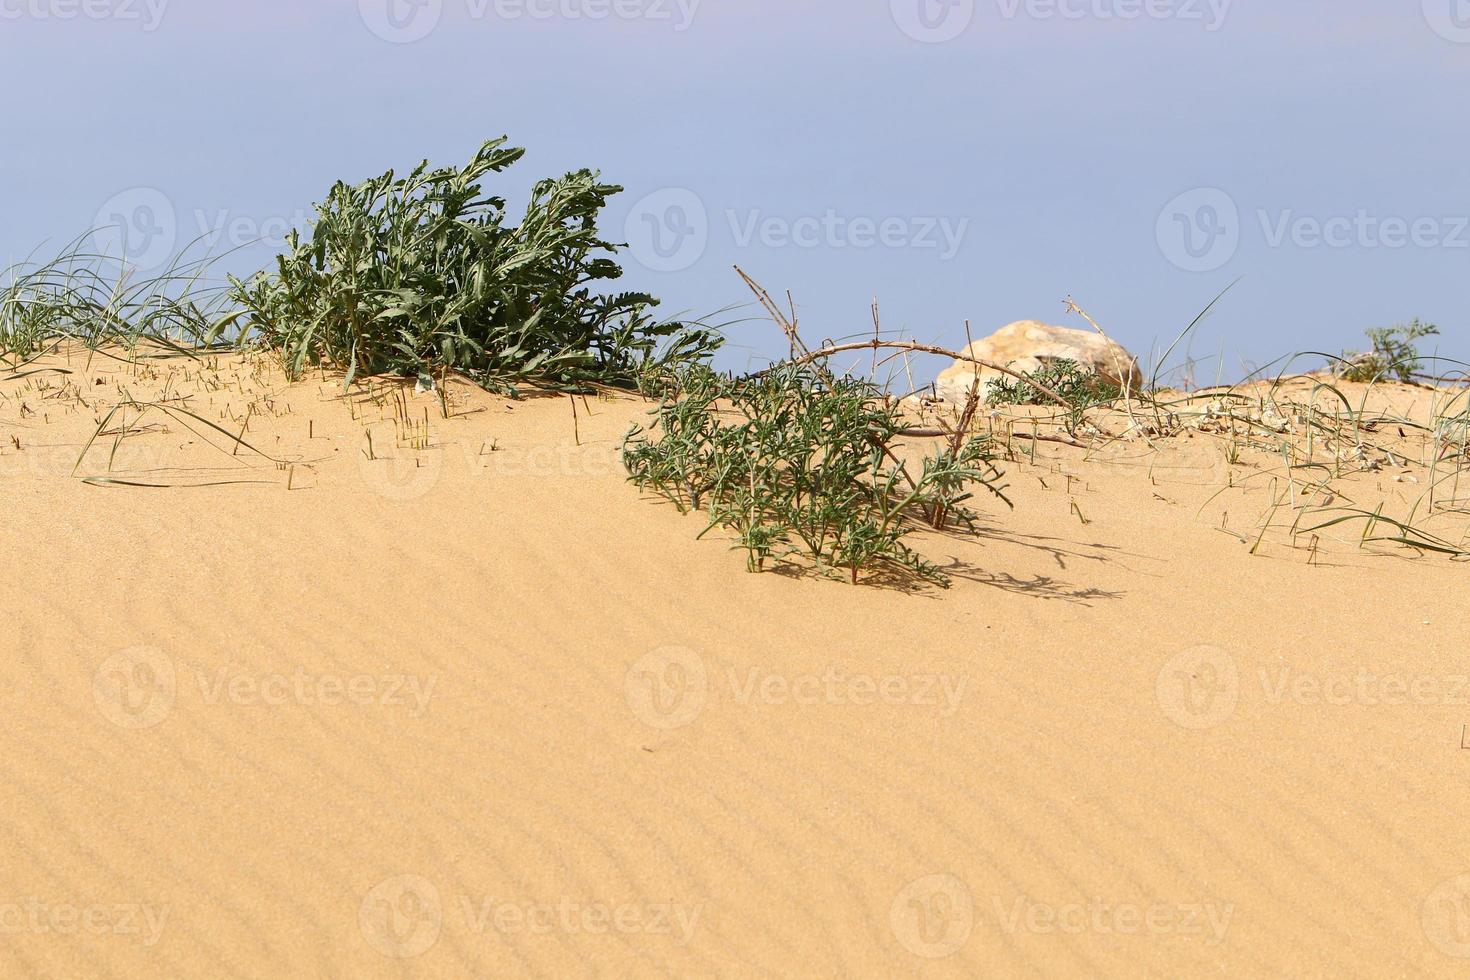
{"type": "Point", "coordinates": [1394, 354]}
{"type": "Point", "coordinates": [422, 274]}
{"type": "Point", "coordinates": [1081, 388]}
{"type": "Point", "coordinates": [796, 461]}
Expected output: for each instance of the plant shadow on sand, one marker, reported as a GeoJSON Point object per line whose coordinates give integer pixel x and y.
{"type": "Point", "coordinates": [1060, 550]}
{"type": "Point", "coordinates": [1039, 586]}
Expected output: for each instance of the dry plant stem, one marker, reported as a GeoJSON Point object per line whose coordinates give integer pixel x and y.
{"type": "Point", "coordinates": [789, 327]}
{"type": "Point", "coordinates": [966, 419]}
{"type": "Point", "coordinates": [908, 345]}
{"type": "Point", "coordinates": [877, 335]}
{"type": "Point", "coordinates": [787, 324]}
{"type": "Point", "coordinates": [1125, 378]}
{"type": "Point", "coordinates": [947, 434]}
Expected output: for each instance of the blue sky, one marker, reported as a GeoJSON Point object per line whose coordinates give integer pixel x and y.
{"type": "Point", "coordinates": [957, 159]}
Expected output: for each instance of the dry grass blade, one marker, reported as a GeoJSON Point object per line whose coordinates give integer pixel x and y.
{"type": "Point", "coordinates": [183, 416]}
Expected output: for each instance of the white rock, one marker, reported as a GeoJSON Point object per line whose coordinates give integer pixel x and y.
{"type": "Point", "coordinates": [1027, 346]}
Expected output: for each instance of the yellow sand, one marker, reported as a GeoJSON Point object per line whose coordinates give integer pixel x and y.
{"type": "Point", "coordinates": [481, 709]}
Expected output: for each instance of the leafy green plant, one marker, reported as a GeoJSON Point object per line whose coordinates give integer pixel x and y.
{"type": "Point", "coordinates": [1082, 389]}
{"type": "Point", "coordinates": [796, 461]}
{"type": "Point", "coordinates": [1394, 354]}
{"type": "Point", "coordinates": [424, 273]}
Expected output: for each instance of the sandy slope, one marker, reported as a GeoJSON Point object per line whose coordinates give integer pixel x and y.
{"type": "Point", "coordinates": [484, 711]}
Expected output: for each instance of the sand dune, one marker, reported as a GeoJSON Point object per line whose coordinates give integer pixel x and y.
{"type": "Point", "coordinates": [475, 707]}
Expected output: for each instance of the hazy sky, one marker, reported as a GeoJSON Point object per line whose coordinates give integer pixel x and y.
{"type": "Point", "coordinates": [977, 159]}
